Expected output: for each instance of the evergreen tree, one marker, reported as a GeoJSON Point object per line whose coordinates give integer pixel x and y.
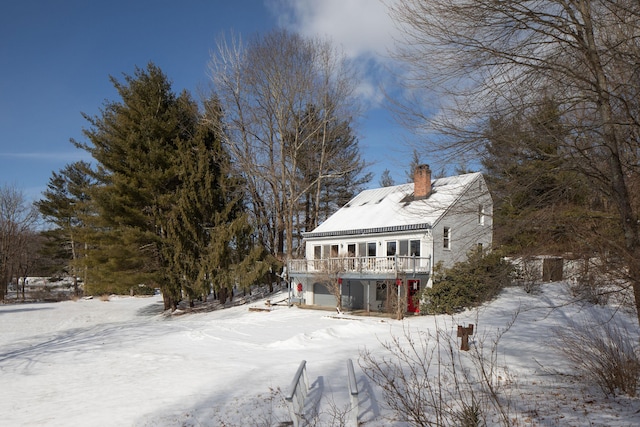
{"type": "Point", "coordinates": [208, 224]}
{"type": "Point", "coordinates": [166, 210]}
{"type": "Point", "coordinates": [330, 169]}
{"type": "Point", "coordinates": [415, 162]}
{"type": "Point", "coordinates": [386, 180]}
{"type": "Point", "coordinates": [135, 145]}
{"type": "Point", "coordinates": [538, 197]}
{"type": "Point", "coordinates": [66, 202]}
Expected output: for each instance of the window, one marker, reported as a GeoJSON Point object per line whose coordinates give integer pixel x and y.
{"type": "Point", "coordinates": [325, 251]}
{"type": "Point", "coordinates": [317, 252]}
{"type": "Point", "coordinates": [371, 249]}
{"type": "Point", "coordinates": [415, 247]}
{"type": "Point", "coordinates": [391, 248]}
{"type": "Point", "coordinates": [351, 250]}
{"type": "Point", "coordinates": [480, 215]}
{"type": "Point", "coordinates": [362, 249]}
{"type": "Point", "coordinates": [404, 248]}
{"type": "Point", "coordinates": [334, 251]}
{"type": "Point", "coordinates": [446, 238]}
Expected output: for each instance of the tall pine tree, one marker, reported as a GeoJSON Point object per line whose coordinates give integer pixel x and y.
{"type": "Point", "coordinates": [134, 144]}
{"type": "Point", "coordinates": [167, 211]}
{"type": "Point", "coordinates": [65, 205]}
{"type": "Point", "coordinates": [208, 225]}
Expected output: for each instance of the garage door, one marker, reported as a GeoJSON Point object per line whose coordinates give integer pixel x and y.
{"type": "Point", "coordinates": [322, 296]}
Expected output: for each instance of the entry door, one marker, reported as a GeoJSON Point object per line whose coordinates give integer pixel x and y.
{"type": "Point", "coordinates": [413, 305]}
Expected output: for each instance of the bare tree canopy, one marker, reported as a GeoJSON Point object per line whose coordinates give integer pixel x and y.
{"type": "Point", "coordinates": [289, 109]}
{"type": "Point", "coordinates": [18, 219]}
{"type": "Point", "coordinates": [499, 59]}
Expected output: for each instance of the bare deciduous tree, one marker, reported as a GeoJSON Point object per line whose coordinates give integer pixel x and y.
{"type": "Point", "coordinates": [286, 100]}
{"type": "Point", "coordinates": [491, 58]}
{"type": "Point", "coordinates": [329, 277]}
{"type": "Point", "coordinates": [17, 221]}
{"type": "Point", "coordinates": [28, 258]}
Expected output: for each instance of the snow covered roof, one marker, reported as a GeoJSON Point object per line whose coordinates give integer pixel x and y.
{"type": "Point", "coordinates": [393, 208]}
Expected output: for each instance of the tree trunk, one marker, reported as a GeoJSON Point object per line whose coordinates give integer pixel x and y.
{"type": "Point", "coordinates": [169, 302]}
{"type": "Point", "coordinates": [634, 278]}
{"type": "Point", "coordinates": [222, 295]}
{"type": "Point", "coordinates": [619, 189]}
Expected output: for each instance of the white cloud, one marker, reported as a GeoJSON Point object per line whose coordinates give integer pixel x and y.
{"type": "Point", "coordinates": [361, 27]}
{"type": "Point", "coordinates": [363, 30]}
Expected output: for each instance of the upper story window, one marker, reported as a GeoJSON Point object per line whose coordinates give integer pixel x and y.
{"type": "Point", "coordinates": [317, 252]}
{"type": "Point", "coordinates": [446, 237]}
{"type": "Point", "coordinates": [371, 249]}
{"type": "Point", "coordinates": [403, 247]}
{"type": "Point", "coordinates": [326, 251]}
{"type": "Point", "coordinates": [391, 248]}
{"type": "Point", "coordinates": [362, 249]}
{"type": "Point", "coordinates": [351, 250]}
{"type": "Point", "coordinates": [334, 251]}
{"type": "Point", "coordinates": [414, 248]}
{"type": "Point", "coordinates": [480, 215]}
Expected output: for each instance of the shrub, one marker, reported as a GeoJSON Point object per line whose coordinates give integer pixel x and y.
{"type": "Point", "coordinates": [603, 352]}
{"type": "Point", "coordinates": [466, 284]}
{"type": "Point", "coordinates": [528, 274]}
{"type": "Point", "coordinates": [142, 290]}
{"type": "Point", "coordinates": [588, 285]}
{"type": "Point", "coordinates": [427, 382]}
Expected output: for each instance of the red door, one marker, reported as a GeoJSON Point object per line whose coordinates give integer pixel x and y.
{"type": "Point", "coordinates": [413, 305]}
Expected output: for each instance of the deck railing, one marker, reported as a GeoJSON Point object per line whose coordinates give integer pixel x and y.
{"type": "Point", "coordinates": [353, 393]}
{"type": "Point", "coordinates": [363, 265]}
{"type": "Point", "coordinates": [297, 394]}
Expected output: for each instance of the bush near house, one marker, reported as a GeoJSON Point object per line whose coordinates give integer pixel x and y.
{"type": "Point", "coordinates": [466, 284]}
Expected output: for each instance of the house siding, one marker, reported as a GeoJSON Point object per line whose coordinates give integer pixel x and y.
{"type": "Point", "coordinates": [467, 227]}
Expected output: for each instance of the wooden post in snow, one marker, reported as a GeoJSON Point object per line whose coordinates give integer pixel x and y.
{"type": "Point", "coordinates": [464, 333]}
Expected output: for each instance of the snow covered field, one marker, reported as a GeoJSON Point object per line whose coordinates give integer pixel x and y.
{"type": "Point", "coordinates": [123, 363]}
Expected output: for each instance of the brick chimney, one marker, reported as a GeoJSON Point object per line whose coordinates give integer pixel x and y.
{"type": "Point", "coordinates": [421, 182]}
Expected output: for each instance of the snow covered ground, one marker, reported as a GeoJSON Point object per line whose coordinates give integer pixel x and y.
{"type": "Point", "coordinates": [124, 363]}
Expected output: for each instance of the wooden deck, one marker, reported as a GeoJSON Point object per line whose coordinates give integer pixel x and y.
{"type": "Point", "coordinates": [361, 265]}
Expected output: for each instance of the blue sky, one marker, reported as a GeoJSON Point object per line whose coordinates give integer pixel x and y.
{"type": "Point", "coordinates": [56, 58]}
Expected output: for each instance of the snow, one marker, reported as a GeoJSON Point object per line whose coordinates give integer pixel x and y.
{"type": "Point", "coordinates": [388, 206]}
{"type": "Point", "coordinates": [124, 362]}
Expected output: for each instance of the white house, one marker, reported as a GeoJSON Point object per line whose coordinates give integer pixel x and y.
{"type": "Point", "coordinates": [393, 236]}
